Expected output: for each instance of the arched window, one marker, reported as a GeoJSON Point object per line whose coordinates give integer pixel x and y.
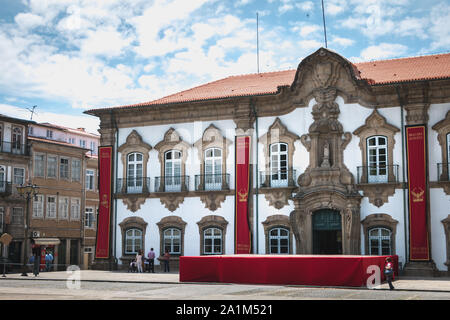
{"type": "Point", "coordinates": [172, 170]}
{"type": "Point", "coordinates": [2, 179]}
{"type": "Point", "coordinates": [380, 241]}
{"type": "Point", "coordinates": [172, 240]}
{"type": "Point", "coordinates": [133, 241]}
{"type": "Point", "coordinates": [279, 165]}
{"type": "Point", "coordinates": [213, 169]}
{"type": "Point", "coordinates": [212, 238]}
{"type": "Point", "coordinates": [134, 172]}
{"type": "Point", "coordinates": [377, 159]}
{"type": "Point", "coordinates": [16, 140]}
{"type": "Point", "coordinates": [279, 241]}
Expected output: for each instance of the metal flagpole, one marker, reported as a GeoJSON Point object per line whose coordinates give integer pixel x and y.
{"type": "Point", "coordinates": [324, 27]}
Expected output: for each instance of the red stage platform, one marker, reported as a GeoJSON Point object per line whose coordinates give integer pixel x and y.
{"type": "Point", "coordinates": [316, 270]}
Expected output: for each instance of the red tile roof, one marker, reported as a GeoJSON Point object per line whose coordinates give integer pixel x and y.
{"type": "Point", "coordinates": [375, 72]}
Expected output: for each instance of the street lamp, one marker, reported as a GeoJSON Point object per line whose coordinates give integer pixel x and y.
{"type": "Point", "coordinates": [27, 191]}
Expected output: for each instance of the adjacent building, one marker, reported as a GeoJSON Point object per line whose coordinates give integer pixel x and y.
{"type": "Point", "coordinates": [345, 158]}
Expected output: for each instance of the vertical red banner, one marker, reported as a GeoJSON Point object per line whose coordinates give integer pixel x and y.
{"type": "Point", "coordinates": [104, 209]}
{"type": "Point", "coordinates": [242, 184]}
{"type": "Point", "coordinates": [417, 187]}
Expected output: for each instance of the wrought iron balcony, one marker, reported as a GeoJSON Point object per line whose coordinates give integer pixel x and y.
{"type": "Point", "coordinates": [5, 188]}
{"type": "Point", "coordinates": [133, 185]}
{"type": "Point", "coordinates": [377, 174]}
{"type": "Point", "coordinates": [277, 179]}
{"type": "Point", "coordinates": [172, 184]}
{"type": "Point", "coordinates": [443, 172]}
{"type": "Point", "coordinates": [14, 148]}
{"type": "Point", "coordinates": [212, 182]}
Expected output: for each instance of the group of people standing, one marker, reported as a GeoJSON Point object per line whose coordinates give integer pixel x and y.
{"type": "Point", "coordinates": [149, 262]}
{"type": "Point", "coordinates": [35, 260]}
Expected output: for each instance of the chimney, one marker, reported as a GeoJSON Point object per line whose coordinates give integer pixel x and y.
{"type": "Point", "coordinates": [82, 129]}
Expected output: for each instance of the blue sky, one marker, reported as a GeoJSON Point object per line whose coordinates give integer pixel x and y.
{"type": "Point", "coordinates": [66, 56]}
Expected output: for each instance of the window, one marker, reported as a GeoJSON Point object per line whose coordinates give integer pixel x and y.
{"type": "Point", "coordinates": [2, 218]}
{"type": "Point", "coordinates": [64, 168]}
{"type": "Point", "coordinates": [213, 169]}
{"type": "Point", "coordinates": [90, 179]}
{"type": "Point", "coordinates": [377, 159]}
{"type": "Point", "coordinates": [71, 140]}
{"type": "Point", "coordinates": [89, 217]}
{"type": "Point", "coordinates": [49, 134]}
{"type": "Point", "coordinates": [52, 163]}
{"type": "Point", "coordinates": [212, 241]}
{"type": "Point", "coordinates": [63, 208]}
{"type": "Point", "coordinates": [16, 140]}
{"type": "Point", "coordinates": [75, 209]}
{"type": "Point", "coordinates": [38, 206]}
{"type": "Point", "coordinates": [30, 131]}
{"type": "Point", "coordinates": [278, 165]}
{"type": "Point", "coordinates": [19, 176]}
{"type": "Point", "coordinates": [17, 216]}
{"type": "Point", "coordinates": [92, 147]}
{"type": "Point", "coordinates": [134, 173]}
{"type": "Point", "coordinates": [39, 165]}
{"type": "Point", "coordinates": [133, 241]}
{"type": "Point", "coordinates": [83, 143]}
{"type": "Point", "coordinates": [51, 207]}
{"type": "Point", "coordinates": [279, 241]}
{"type": "Point", "coordinates": [76, 170]}
{"type": "Point", "coordinates": [172, 170]}
{"type": "Point", "coordinates": [172, 241]}
{"type": "Point", "coordinates": [2, 179]}
{"type": "Point", "coordinates": [380, 241]}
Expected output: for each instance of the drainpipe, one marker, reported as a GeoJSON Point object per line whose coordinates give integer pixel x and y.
{"type": "Point", "coordinates": [114, 121]}
{"type": "Point", "coordinates": [405, 215]}
{"type": "Point", "coordinates": [257, 176]}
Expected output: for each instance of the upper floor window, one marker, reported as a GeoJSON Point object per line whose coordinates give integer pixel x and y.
{"type": "Point", "coordinates": [51, 207]}
{"type": "Point", "coordinates": [17, 216]}
{"type": "Point", "coordinates": [89, 217]}
{"type": "Point", "coordinates": [212, 241]}
{"type": "Point", "coordinates": [278, 164]}
{"type": "Point", "coordinates": [377, 160]}
{"type": "Point", "coordinates": [279, 241]}
{"type": "Point", "coordinates": [64, 168]}
{"type": "Point", "coordinates": [49, 134]}
{"type": "Point", "coordinates": [83, 143]}
{"type": "Point", "coordinates": [2, 217]}
{"type": "Point", "coordinates": [134, 172]}
{"type": "Point", "coordinates": [19, 176]}
{"type": "Point", "coordinates": [39, 165]}
{"type": "Point", "coordinates": [2, 178]}
{"type": "Point", "coordinates": [75, 209]}
{"type": "Point", "coordinates": [92, 147]}
{"type": "Point", "coordinates": [172, 240]}
{"type": "Point", "coordinates": [52, 165]}
{"type": "Point", "coordinates": [380, 241]}
{"type": "Point", "coordinates": [76, 170]}
{"type": "Point", "coordinates": [90, 174]}
{"type": "Point", "coordinates": [172, 170]}
{"type": "Point", "coordinates": [63, 211]}
{"type": "Point", "coordinates": [16, 139]}
{"type": "Point", "coordinates": [213, 169]}
{"type": "Point", "coordinates": [38, 206]}
{"type": "Point", "coordinates": [133, 241]}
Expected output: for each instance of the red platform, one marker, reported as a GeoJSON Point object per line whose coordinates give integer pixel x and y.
{"type": "Point", "coordinates": [317, 270]}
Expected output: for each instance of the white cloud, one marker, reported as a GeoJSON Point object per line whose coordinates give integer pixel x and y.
{"type": "Point", "coordinates": [342, 42]}
{"type": "Point", "coordinates": [383, 51]}
{"type": "Point", "coordinates": [305, 6]}
{"type": "Point", "coordinates": [309, 29]}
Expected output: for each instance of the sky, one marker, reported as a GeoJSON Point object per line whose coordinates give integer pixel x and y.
{"type": "Point", "coordinates": [67, 56]}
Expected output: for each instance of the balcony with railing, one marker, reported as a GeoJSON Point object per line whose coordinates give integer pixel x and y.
{"type": "Point", "coordinates": [14, 148]}
{"type": "Point", "coordinates": [277, 179]}
{"type": "Point", "coordinates": [133, 185]}
{"type": "Point", "coordinates": [377, 174]}
{"type": "Point", "coordinates": [443, 172]}
{"type": "Point", "coordinates": [212, 182]}
{"type": "Point", "coordinates": [5, 188]}
{"type": "Point", "coordinates": [172, 184]}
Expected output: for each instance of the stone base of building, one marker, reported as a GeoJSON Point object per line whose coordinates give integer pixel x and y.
{"type": "Point", "coordinates": [104, 264]}
{"type": "Point", "coordinates": [421, 269]}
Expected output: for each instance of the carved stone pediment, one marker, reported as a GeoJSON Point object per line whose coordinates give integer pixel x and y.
{"type": "Point", "coordinates": [278, 198]}
{"type": "Point", "coordinates": [171, 201]}
{"type": "Point", "coordinates": [213, 200]}
{"type": "Point", "coordinates": [133, 202]}
{"type": "Point", "coordinates": [378, 193]}
{"type": "Point", "coordinates": [446, 224]}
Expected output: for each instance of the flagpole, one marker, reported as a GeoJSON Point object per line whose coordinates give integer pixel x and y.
{"type": "Point", "coordinates": [324, 27]}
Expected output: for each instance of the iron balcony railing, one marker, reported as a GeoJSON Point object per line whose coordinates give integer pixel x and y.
{"type": "Point", "coordinates": [377, 174]}
{"type": "Point", "coordinates": [5, 188]}
{"type": "Point", "coordinates": [172, 184]}
{"type": "Point", "coordinates": [212, 182]}
{"type": "Point", "coordinates": [277, 179]}
{"type": "Point", "coordinates": [443, 172]}
{"type": "Point", "coordinates": [133, 185]}
{"type": "Point", "coordinates": [14, 148]}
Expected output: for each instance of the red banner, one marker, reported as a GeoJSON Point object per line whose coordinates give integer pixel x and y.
{"type": "Point", "coordinates": [242, 243]}
{"type": "Point", "coordinates": [417, 186]}
{"type": "Point", "coordinates": [104, 210]}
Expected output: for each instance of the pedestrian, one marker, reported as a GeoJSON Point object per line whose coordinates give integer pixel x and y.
{"type": "Point", "coordinates": [36, 250]}
{"type": "Point", "coordinates": [166, 259]}
{"type": "Point", "coordinates": [48, 261]}
{"type": "Point", "coordinates": [151, 261]}
{"type": "Point", "coordinates": [139, 261]}
{"type": "Point", "coordinates": [389, 272]}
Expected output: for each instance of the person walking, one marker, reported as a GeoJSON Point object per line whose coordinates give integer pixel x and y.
{"type": "Point", "coordinates": [166, 259]}
{"type": "Point", "coordinates": [151, 261]}
{"type": "Point", "coordinates": [389, 272]}
{"type": "Point", "coordinates": [48, 261]}
{"type": "Point", "coordinates": [36, 250]}
{"type": "Point", "coordinates": [139, 261]}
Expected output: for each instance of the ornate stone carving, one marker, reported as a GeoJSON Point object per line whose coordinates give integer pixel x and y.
{"type": "Point", "coordinates": [172, 141]}
{"type": "Point", "coordinates": [278, 198]}
{"type": "Point", "coordinates": [378, 193]}
{"type": "Point", "coordinates": [133, 202]}
{"type": "Point", "coordinates": [213, 200]}
{"type": "Point", "coordinates": [446, 223]}
{"type": "Point", "coordinates": [417, 113]}
{"type": "Point", "coordinates": [443, 129]}
{"type": "Point", "coordinates": [171, 201]}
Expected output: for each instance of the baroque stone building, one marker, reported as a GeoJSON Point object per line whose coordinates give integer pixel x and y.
{"type": "Point", "coordinates": [329, 162]}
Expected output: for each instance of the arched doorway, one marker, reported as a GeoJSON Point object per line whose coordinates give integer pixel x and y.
{"type": "Point", "coordinates": [327, 232]}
